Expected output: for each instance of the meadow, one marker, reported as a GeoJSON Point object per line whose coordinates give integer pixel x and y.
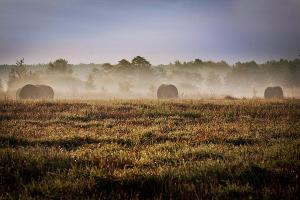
{"type": "Point", "coordinates": [150, 149]}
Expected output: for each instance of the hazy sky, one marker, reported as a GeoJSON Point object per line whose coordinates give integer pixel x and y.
{"type": "Point", "coordinates": [162, 31]}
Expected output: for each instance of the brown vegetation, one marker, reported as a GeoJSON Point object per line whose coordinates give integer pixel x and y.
{"type": "Point", "coordinates": [183, 149]}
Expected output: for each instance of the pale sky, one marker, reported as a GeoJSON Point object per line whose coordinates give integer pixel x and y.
{"type": "Point", "coordinates": [98, 31]}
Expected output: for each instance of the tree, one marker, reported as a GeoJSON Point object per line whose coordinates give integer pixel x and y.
{"type": "Point", "coordinates": [60, 65]}
{"type": "Point", "coordinates": [140, 62]}
{"type": "Point", "coordinates": [18, 72]}
{"type": "Point", "coordinates": [198, 61]}
{"type": "Point", "coordinates": [124, 63]}
{"type": "Point", "coordinates": [245, 75]}
{"type": "Point", "coordinates": [20, 62]}
{"type": "Point", "coordinates": [107, 65]}
{"type": "Point", "coordinates": [177, 63]}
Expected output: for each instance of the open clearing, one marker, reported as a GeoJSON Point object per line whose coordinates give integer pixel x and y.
{"type": "Point", "coordinates": [183, 149]}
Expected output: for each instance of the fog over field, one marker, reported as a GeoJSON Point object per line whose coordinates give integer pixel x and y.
{"type": "Point", "coordinates": [139, 79]}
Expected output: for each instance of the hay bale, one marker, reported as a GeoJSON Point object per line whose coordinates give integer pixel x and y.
{"type": "Point", "coordinates": [47, 91]}
{"type": "Point", "coordinates": [273, 93]}
{"type": "Point", "coordinates": [167, 92]}
{"type": "Point", "coordinates": [35, 92]}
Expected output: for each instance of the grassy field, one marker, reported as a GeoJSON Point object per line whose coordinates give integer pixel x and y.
{"type": "Point", "coordinates": [139, 149]}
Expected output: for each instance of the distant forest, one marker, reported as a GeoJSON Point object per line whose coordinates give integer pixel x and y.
{"type": "Point", "coordinates": [139, 79]}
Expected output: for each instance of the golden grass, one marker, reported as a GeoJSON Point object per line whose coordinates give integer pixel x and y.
{"type": "Point", "coordinates": [137, 149]}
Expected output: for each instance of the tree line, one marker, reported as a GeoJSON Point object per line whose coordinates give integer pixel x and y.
{"type": "Point", "coordinates": [190, 74]}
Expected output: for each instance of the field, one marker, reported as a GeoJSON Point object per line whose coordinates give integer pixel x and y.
{"type": "Point", "coordinates": [139, 149]}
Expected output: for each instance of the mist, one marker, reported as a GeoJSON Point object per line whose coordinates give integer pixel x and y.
{"type": "Point", "coordinates": [138, 79]}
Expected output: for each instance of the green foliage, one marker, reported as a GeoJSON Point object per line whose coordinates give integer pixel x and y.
{"type": "Point", "coordinates": [282, 72]}
{"type": "Point", "coordinates": [140, 62]}
{"type": "Point", "coordinates": [124, 63]}
{"type": "Point", "coordinates": [107, 65]}
{"type": "Point", "coordinates": [142, 149]}
{"type": "Point", "coordinates": [198, 63]}
{"type": "Point", "coordinates": [61, 66]}
{"type": "Point", "coordinates": [192, 77]}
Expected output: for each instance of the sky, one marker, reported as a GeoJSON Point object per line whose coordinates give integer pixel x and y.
{"type": "Point", "coordinates": [99, 31]}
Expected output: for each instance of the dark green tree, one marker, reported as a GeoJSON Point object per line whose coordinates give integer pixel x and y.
{"type": "Point", "coordinates": [177, 63]}
{"type": "Point", "coordinates": [198, 61]}
{"type": "Point", "coordinates": [107, 65]}
{"type": "Point", "coordinates": [124, 63]}
{"type": "Point", "coordinates": [60, 65]}
{"type": "Point", "coordinates": [140, 62]}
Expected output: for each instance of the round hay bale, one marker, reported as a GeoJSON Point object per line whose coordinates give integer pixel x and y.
{"type": "Point", "coordinates": [47, 91]}
{"type": "Point", "coordinates": [35, 92]}
{"type": "Point", "coordinates": [273, 93]}
{"type": "Point", "coordinates": [167, 92]}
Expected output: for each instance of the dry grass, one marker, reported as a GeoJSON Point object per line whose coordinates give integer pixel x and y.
{"type": "Point", "coordinates": [184, 149]}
